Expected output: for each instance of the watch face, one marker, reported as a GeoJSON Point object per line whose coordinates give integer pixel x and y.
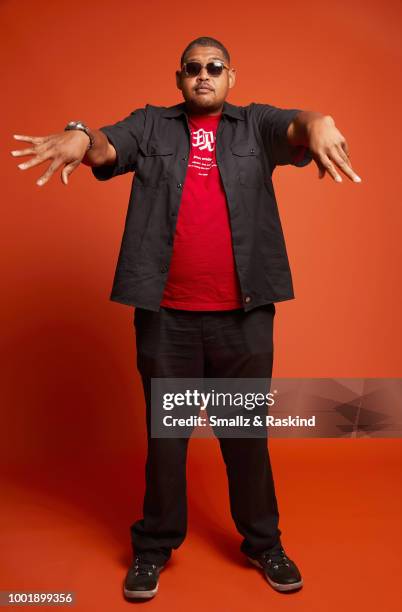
{"type": "Point", "coordinates": [73, 125]}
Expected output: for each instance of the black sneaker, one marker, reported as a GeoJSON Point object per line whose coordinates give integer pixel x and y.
{"type": "Point", "coordinates": [142, 579]}
{"type": "Point", "coordinates": [280, 571]}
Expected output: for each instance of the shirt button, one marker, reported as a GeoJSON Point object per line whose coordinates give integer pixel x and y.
{"type": "Point", "coordinates": [164, 268]}
{"type": "Point", "coordinates": [251, 150]}
{"type": "Point", "coordinates": [247, 299]}
{"type": "Point", "coordinates": [179, 185]}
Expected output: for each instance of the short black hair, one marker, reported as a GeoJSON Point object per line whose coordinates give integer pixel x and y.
{"type": "Point", "coordinates": [205, 41]}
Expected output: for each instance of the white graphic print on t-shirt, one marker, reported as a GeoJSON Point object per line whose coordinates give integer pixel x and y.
{"type": "Point", "coordinates": [202, 140]}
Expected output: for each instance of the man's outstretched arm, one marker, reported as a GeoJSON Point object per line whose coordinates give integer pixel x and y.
{"type": "Point", "coordinates": [65, 149]}
{"type": "Point", "coordinates": [327, 145]}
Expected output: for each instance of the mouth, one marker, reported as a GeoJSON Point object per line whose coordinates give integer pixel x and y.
{"type": "Point", "coordinates": [203, 89]}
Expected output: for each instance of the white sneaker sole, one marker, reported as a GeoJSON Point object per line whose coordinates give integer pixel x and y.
{"type": "Point", "coordinates": [141, 594]}
{"type": "Point", "coordinates": [277, 585]}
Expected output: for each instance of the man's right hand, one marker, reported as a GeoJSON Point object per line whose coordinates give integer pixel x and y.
{"type": "Point", "coordinates": [68, 149]}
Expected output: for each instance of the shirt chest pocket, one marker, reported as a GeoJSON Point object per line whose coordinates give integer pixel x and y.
{"type": "Point", "coordinates": [247, 161]}
{"type": "Point", "coordinates": [154, 162]}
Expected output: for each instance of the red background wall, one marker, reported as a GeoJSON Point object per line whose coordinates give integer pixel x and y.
{"type": "Point", "coordinates": [72, 405]}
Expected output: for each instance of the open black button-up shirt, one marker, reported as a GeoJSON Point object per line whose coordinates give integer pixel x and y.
{"type": "Point", "coordinates": [154, 142]}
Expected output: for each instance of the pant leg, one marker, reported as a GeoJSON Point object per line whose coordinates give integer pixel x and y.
{"type": "Point", "coordinates": [168, 345]}
{"type": "Point", "coordinates": [239, 344]}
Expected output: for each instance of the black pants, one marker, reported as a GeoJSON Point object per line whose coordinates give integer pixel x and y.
{"type": "Point", "coordinates": [207, 344]}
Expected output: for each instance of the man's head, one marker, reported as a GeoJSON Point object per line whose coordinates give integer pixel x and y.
{"type": "Point", "coordinates": [205, 101]}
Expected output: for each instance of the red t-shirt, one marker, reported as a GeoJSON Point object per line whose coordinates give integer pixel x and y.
{"type": "Point", "coordinates": [202, 273]}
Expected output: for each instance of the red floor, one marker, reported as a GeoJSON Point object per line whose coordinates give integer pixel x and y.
{"type": "Point", "coordinates": [66, 528]}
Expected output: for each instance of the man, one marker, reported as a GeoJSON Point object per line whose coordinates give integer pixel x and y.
{"type": "Point", "coordinates": [203, 282]}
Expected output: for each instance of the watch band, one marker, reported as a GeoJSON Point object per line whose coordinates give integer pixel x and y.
{"type": "Point", "coordinates": [80, 125]}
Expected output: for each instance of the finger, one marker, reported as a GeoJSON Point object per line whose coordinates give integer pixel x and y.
{"type": "Point", "coordinates": [330, 168]}
{"type": "Point", "coordinates": [20, 152]}
{"type": "Point", "coordinates": [321, 169]}
{"type": "Point", "coordinates": [38, 159]}
{"type": "Point", "coordinates": [33, 139]}
{"type": "Point", "coordinates": [343, 155]}
{"type": "Point", "coordinates": [67, 170]}
{"type": "Point", "coordinates": [49, 172]}
{"type": "Point", "coordinates": [37, 149]}
{"type": "Point", "coordinates": [345, 147]}
{"type": "Point", "coordinates": [344, 166]}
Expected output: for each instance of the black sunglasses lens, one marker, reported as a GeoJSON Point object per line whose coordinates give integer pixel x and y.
{"type": "Point", "coordinates": [215, 68]}
{"type": "Point", "coordinates": [193, 68]}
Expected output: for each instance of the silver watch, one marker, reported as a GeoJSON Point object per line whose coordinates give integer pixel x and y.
{"type": "Point", "coordinates": [80, 125]}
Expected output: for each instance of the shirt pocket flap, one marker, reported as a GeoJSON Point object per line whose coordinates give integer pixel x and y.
{"type": "Point", "coordinates": [245, 149]}
{"type": "Point", "coordinates": [149, 148]}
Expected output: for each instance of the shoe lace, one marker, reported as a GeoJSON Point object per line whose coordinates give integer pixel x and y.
{"type": "Point", "coordinates": [142, 567]}
{"type": "Point", "coordinates": [276, 558]}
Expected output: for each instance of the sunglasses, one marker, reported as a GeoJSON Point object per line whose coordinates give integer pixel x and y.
{"type": "Point", "coordinates": [193, 69]}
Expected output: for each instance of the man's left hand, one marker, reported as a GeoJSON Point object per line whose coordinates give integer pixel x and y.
{"type": "Point", "coordinates": [329, 149]}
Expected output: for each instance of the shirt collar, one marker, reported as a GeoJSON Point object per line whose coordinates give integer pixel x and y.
{"type": "Point", "coordinates": [228, 109]}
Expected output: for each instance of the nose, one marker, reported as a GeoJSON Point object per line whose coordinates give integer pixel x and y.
{"type": "Point", "coordinates": [204, 73]}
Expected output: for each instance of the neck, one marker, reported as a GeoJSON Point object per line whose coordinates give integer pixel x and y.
{"type": "Point", "coordinates": [203, 112]}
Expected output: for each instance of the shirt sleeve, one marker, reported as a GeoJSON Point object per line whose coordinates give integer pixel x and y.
{"type": "Point", "coordinates": [125, 136]}
{"type": "Point", "coordinates": [273, 123]}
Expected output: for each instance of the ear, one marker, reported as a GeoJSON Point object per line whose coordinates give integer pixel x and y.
{"type": "Point", "coordinates": [178, 79]}
{"type": "Point", "coordinates": [232, 77]}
